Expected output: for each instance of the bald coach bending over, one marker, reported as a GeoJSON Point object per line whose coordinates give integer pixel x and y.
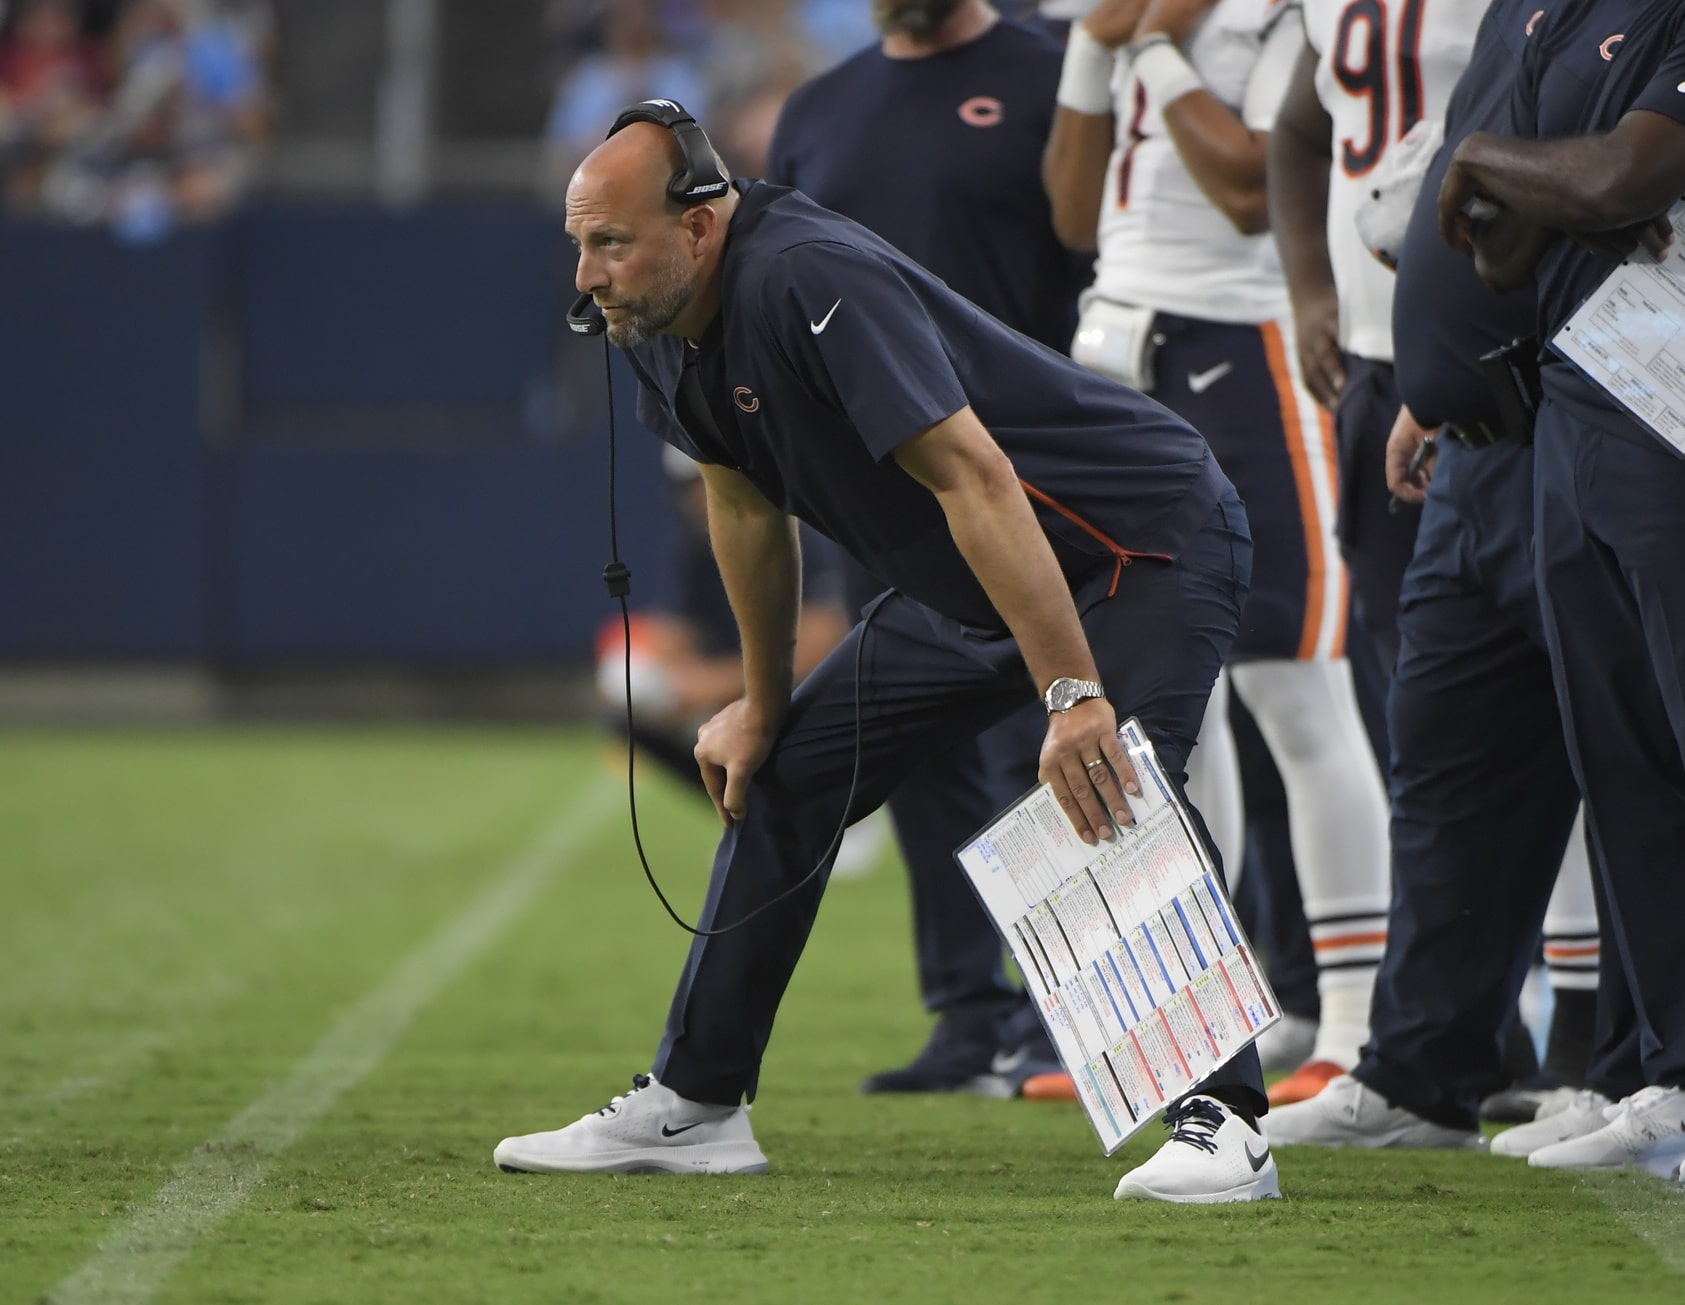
{"type": "Point", "coordinates": [1042, 531]}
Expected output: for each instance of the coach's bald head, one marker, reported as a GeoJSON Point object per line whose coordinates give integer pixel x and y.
{"type": "Point", "coordinates": [652, 265]}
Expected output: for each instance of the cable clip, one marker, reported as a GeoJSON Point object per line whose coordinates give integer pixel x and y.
{"type": "Point", "coordinates": [618, 577]}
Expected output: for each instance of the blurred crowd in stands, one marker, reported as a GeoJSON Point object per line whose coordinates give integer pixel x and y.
{"type": "Point", "coordinates": [138, 114]}
{"type": "Point", "coordinates": [730, 62]}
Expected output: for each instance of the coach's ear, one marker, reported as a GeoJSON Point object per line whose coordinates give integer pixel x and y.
{"type": "Point", "coordinates": [704, 227]}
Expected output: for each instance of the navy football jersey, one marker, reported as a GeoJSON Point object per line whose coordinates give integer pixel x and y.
{"type": "Point", "coordinates": [1590, 63]}
{"type": "Point", "coordinates": [832, 349]}
{"type": "Point", "coordinates": [1444, 316]}
{"type": "Point", "coordinates": [941, 156]}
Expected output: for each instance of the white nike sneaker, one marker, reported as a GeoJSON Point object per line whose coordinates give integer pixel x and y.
{"type": "Point", "coordinates": [1646, 1129]}
{"type": "Point", "coordinates": [1212, 1157]}
{"type": "Point", "coordinates": [650, 1130]}
{"type": "Point", "coordinates": [1345, 1113]}
{"type": "Point", "coordinates": [1565, 1114]}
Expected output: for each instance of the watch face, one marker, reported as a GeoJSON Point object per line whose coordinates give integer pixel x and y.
{"type": "Point", "coordinates": [1064, 693]}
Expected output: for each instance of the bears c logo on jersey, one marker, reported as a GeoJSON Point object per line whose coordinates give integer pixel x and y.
{"type": "Point", "coordinates": [746, 399]}
{"type": "Point", "coordinates": [982, 111]}
{"type": "Point", "coordinates": [1607, 49]}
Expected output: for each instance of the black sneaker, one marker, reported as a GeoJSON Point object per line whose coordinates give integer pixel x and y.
{"type": "Point", "coordinates": [957, 1060]}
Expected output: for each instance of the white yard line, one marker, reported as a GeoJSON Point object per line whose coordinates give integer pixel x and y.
{"type": "Point", "coordinates": [1654, 1211]}
{"type": "Point", "coordinates": [132, 1263]}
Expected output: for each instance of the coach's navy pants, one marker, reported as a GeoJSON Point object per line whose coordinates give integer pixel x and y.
{"type": "Point", "coordinates": [1610, 521]}
{"type": "Point", "coordinates": [1483, 799]}
{"type": "Point", "coordinates": [928, 685]}
{"type": "Point", "coordinates": [942, 803]}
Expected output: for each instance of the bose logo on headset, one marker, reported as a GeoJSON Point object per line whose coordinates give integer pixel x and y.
{"type": "Point", "coordinates": [698, 179]}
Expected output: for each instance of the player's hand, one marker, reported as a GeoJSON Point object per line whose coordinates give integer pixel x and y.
{"type": "Point", "coordinates": [730, 747]}
{"type": "Point", "coordinates": [1317, 325]}
{"type": "Point", "coordinates": [1456, 192]}
{"type": "Point", "coordinates": [1177, 19]}
{"type": "Point", "coordinates": [1407, 438]}
{"type": "Point", "coordinates": [1112, 22]}
{"type": "Point", "coordinates": [1086, 765]}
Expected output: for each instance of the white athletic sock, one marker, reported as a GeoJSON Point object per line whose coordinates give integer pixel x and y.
{"type": "Point", "coordinates": [1571, 941]}
{"type": "Point", "coordinates": [1337, 814]}
{"type": "Point", "coordinates": [1214, 782]}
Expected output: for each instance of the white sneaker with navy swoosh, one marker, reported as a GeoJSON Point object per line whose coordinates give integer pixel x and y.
{"type": "Point", "coordinates": [1213, 1157]}
{"type": "Point", "coordinates": [650, 1130]}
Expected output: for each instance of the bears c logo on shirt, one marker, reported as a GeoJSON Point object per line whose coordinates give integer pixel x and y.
{"type": "Point", "coordinates": [746, 399]}
{"type": "Point", "coordinates": [1607, 49]}
{"type": "Point", "coordinates": [982, 111]}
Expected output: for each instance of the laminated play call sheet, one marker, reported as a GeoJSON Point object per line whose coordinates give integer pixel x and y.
{"type": "Point", "coordinates": [1130, 948]}
{"type": "Point", "coordinates": [1629, 337]}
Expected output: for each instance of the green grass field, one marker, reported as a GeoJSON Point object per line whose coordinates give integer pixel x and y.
{"type": "Point", "coordinates": [268, 999]}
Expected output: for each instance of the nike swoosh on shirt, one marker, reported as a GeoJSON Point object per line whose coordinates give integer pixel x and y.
{"type": "Point", "coordinates": [1256, 1161]}
{"type": "Point", "coordinates": [1200, 382]}
{"type": "Point", "coordinates": [823, 322]}
{"type": "Point", "coordinates": [674, 1132]}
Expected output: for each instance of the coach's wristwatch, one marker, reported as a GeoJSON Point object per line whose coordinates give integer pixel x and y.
{"type": "Point", "coordinates": [1064, 693]}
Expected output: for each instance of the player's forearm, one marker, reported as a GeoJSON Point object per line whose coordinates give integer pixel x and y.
{"type": "Point", "coordinates": [1073, 172]}
{"type": "Point", "coordinates": [1225, 159]}
{"type": "Point", "coordinates": [1299, 158]}
{"type": "Point", "coordinates": [759, 558]}
{"type": "Point", "coordinates": [1576, 185]}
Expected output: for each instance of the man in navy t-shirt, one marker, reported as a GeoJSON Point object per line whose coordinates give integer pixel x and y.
{"type": "Point", "coordinates": [1483, 800]}
{"type": "Point", "coordinates": [1594, 162]}
{"type": "Point", "coordinates": [933, 138]}
{"type": "Point", "coordinates": [1043, 532]}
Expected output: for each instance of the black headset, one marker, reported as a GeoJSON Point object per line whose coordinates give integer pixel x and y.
{"type": "Point", "coordinates": [697, 181]}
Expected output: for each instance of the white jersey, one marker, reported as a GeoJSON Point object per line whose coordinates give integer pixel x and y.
{"type": "Point", "coordinates": [1163, 243]}
{"type": "Point", "coordinates": [1380, 69]}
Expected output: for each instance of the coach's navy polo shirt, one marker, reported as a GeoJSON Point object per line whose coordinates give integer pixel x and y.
{"type": "Point", "coordinates": [1443, 315]}
{"type": "Point", "coordinates": [1589, 64]}
{"type": "Point", "coordinates": [832, 349]}
{"type": "Point", "coordinates": [941, 156]}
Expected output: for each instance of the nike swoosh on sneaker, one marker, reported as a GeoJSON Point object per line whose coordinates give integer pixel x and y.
{"type": "Point", "coordinates": [1200, 382]}
{"type": "Point", "coordinates": [819, 326]}
{"type": "Point", "coordinates": [1004, 1064]}
{"type": "Point", "coordinates": [1256, 1161]}
{"type": "Point", "coordinates": [674, 1132]}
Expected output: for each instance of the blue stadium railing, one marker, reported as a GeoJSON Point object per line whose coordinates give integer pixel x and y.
{"type": "Point", "coordinates": [315, 433]}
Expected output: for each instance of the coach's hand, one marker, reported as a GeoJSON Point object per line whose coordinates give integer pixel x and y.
{"type": "Point", "coordinates": [730, 748]}
{"type": "Point", "coordinates": [1078, 741]}
{"type": "Point", "coordinates": [1409, 473]}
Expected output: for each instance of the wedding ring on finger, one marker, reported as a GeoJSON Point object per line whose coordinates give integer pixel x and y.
{"type": "Point", "coordinates": [1096, 770]}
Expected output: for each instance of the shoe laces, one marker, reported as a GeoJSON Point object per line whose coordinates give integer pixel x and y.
{"type": "Point", "coordinates": [1642, 1100]}
{"type": "Point", "coordinates": [1195, 1122]}
{"type": "Point", "coordinates": [639, 1083]}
